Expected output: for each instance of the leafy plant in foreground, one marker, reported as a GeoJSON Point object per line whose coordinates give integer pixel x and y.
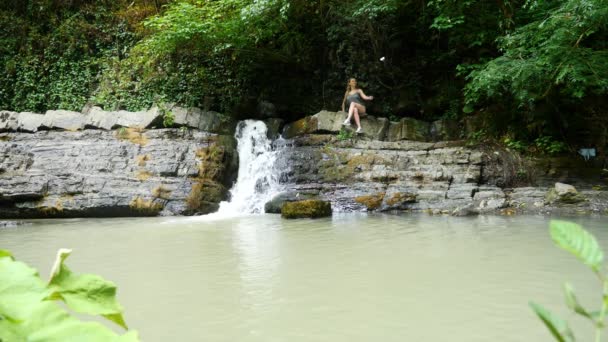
{"type": "Point", "coordinates": [28, 311]}
{"type": "Point", "coordinates": [580, 243]}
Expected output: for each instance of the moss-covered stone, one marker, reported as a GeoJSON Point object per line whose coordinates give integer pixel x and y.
{"type": "Point", "coordinates": [563, 193]}
{"type": "Point", "coordinates": [306, 209]}
{"type": "Point", "coordinates": [372, 202]}
{"type": "Point", "coordinates": [275, 205]}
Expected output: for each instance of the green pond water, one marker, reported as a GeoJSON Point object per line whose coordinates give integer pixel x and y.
{"type": "Point", "coordinates": [353, 277]}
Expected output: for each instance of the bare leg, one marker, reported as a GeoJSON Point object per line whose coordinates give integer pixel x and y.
{"type": "Point", "coordinates": [356, 112]}
{"type": "Point", "coordinates": [361, 109]}
{"type": "Point", "coordinates": [350, 111]}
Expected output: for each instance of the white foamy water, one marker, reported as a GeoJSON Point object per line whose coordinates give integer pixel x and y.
{"type": "Point", "coordinates": [258, 177]}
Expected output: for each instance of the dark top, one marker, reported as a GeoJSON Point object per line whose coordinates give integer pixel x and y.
{"type": "Point", "coordinates": [356, 98]}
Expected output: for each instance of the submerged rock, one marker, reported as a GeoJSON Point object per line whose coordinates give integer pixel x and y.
{"type": "Point", "coordinates": [275, 205]}
{"type": "Point", "coordinates": [306, 209]}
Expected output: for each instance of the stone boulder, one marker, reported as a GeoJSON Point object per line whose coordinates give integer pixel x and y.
{"type": "Point", "coordinates": [489, 199]}
{"type": "Point", "coordinates": [99, 118]}
{"type": "Point", "coordinates": [8, 121]}
{"type": "Point", "coordinates": [64, 119]}
{"type": "Point", "coordinates": [142, 119]}
{"type": "Point", "coordinates": [409, 129]}
{"type": "Point", "coordinates": [275, 205]}
{"type": "Point", "coordinates": [331, 122]}
{"type": "Point", "coordinates": [208, 121]}
{"type": "Point", "coordinates": [442, 130]}
{"type": "Point", "coordinates": [306, 209]}
{"type": "Point", "coordinates": [29, 122]}
{"type": "Point", "coordinates": [373, 127]}
{"type": "Point", "coordinates": [322, 121]}
{"type": "Point", "coordinates": [563, 193]}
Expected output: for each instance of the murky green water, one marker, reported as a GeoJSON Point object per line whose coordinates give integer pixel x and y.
{"type": "Point", "coordinates": [350, 278]}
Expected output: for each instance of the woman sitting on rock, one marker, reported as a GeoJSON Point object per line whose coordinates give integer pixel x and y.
{"type": "Point", "coordinates": [353, 99]}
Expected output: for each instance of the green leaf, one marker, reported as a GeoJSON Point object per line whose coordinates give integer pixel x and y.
{"type": "Point", "coordinates": [85, 293]}
{"type": "Point", "coordinates": [4, 254]}
{"type": "Point", "coordinates": [20, 289]}
{"type": "Point", "coordinates": [574, 239]}
{"type": "Point", "coordinates": [50, 323]}
{"type": "Point", "coordinates": [573, 303]}
{"type": "Point", "coordinates": [558, 327]}
{"type": "Point", "coordinates": [27, 314]}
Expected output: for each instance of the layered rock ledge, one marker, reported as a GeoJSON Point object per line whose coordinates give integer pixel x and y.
{"type": "Point", "coordinates": [386, 169]}
{"type": "Point", "coordinates": [126, 172]}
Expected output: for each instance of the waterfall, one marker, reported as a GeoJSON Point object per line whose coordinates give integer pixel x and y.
{"type": "Point", "coordinates": [258, 177]}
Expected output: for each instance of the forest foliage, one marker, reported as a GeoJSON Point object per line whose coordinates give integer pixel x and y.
{"type": "Point", "coordinates": [528, 69]}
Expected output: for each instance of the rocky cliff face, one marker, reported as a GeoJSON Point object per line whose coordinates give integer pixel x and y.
{"type": "Point", "coordinates": [71, 171]}
{"type": "Point", "coordinates": [98, 163]}
{"type": "Point", "coordinates": [383, 169]}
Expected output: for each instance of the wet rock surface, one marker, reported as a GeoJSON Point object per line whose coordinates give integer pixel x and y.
{"type": "Point", "coordinates": [113, 173]}
{"type": "Point", "coordinates": [360, 174]}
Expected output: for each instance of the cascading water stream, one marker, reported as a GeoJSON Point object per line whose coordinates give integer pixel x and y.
{"type": "Point", "coordinates": [258, 175]}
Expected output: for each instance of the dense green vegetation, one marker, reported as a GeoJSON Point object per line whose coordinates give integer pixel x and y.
{"type": "Point", "coordinates": [523, 69]}
{"type": "Point", "coordinates": [583, 245]}
{"type": "Point", "coordinates": [29, 312]}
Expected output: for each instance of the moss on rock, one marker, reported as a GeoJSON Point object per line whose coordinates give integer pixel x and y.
{"type": "Point", "coordinates": [134, 135]}
{"type": "Point", "coordinates": [306, 209]}
{"type": "Point", "coordinates": [399, 198]}
{"type": "Point", "coordinates": [372, 202]}
{"type": "Point", "coordinates": [303, 126]}
{"type": "Point", "coordinates": [161, 192]}
{"type": "Point", "coordinates": [149, 206]}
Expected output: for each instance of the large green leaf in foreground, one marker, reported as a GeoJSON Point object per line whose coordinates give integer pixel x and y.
{"type": "Point", "coordinates": [573, 238]}
{"type": "Point", "coordinates": [27, 312]}
{"type": "Point", "coordinates": [85, 293]}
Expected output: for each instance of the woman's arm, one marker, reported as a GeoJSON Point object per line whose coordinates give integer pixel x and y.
{"type": "Point", "coordinates": [344, 101]}
{"type": "Point", "coordinates": [365, 97]}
